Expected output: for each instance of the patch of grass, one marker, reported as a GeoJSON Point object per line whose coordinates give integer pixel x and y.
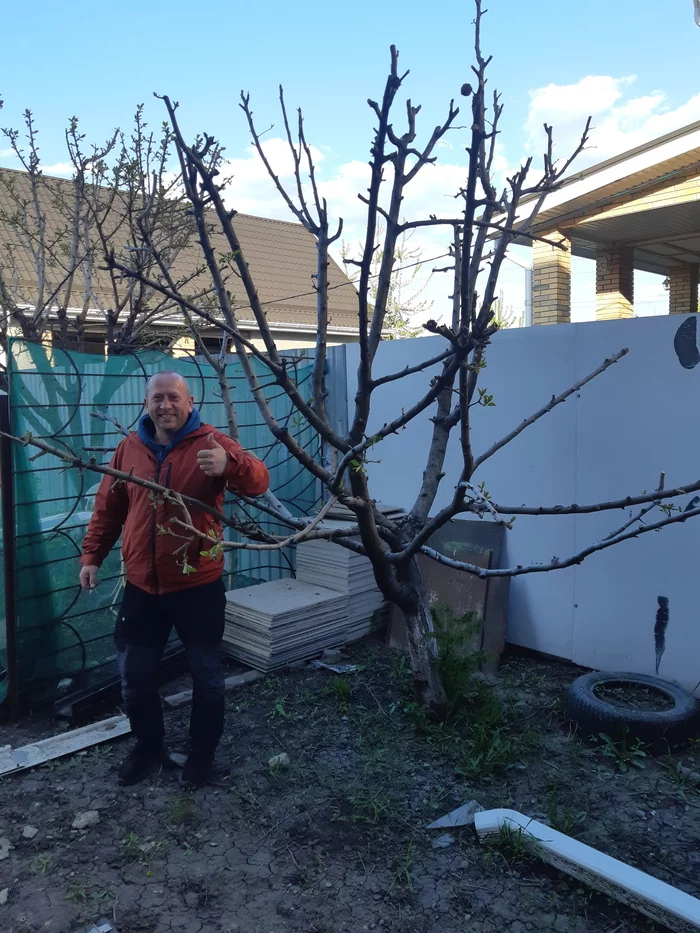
{"type": "Point", "coordinates": [182, 810]}
{"type": "Point", "coordinates": [138, 850]}
{"type": "Point", "coordinates": [370, 805]}
{"type": "Point", "coordinates": [564, 818]}
{"type": "Point", "coordinates": [41, 863]}
{"type": "Point", "coordinates": [486, 751]}
{"type": "Point", "coordinates": [515, 845]}
{"type": "Point", "coordinates": [84, 895]}
{"type": "Point", "coordinates": [342, 690]}
{"type": "Point", "coordinates": [401, 878]}
{"type": "Point", "coordinates": [679, 777]}
{"type": "Point", "coordinates": [279, 710]}
{"type": "Point", "coordinates": [480, 735]}
{"type": "Point", "coordinates": [459, 659]}
{"type": "Point", "coordinates": [626, 754]}
{"type": "Point", "coordinates": [400, 672]}
{"type": "Point", "coordinates": [99, 753]}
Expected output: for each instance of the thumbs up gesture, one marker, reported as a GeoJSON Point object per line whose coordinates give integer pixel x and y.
{"type": "Point", "coordinates": [212, 460]}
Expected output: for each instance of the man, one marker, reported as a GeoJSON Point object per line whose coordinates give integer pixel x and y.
{"type": "Point", "coordinates": [169, 581]}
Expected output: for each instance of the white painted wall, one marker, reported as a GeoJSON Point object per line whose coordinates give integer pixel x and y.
{"type": "Point", "coordinates": [637, 419]}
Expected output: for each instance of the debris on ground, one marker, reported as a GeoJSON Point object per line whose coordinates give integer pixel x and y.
{"type": "Point", "coordinates": [86, 820]}
{"type": "Point", "coordinates": [332, 656]}
{"type": "Point", "coordinates": [462, 816]}
{"type": "Point", "coordinates": [693, 776]}
{"type": "Point", "coordinates": [279, 761]}
{"type": "Point", "coordinates": [58, 746]}
{"type": "Point", "coordinates": [442, 842]}
{"type": "Point", "coordinates": [29, 832]}
{"type": "Point", "coordinates": [102, 926]}
{"type": "Point", "coordinates": [336, 668]}
{"type": "Point", "coordinates": [5, 846]}
{"type": "Point", "coordinates": [4, 894]}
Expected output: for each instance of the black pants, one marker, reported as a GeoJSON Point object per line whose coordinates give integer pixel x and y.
{"type": "Point", "coordinates": [143, 626]}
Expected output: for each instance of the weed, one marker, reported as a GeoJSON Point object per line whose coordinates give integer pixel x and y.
{"type": "Point", "coordinates": [681, 777]}
{"type": "Point", "coordinates": [367, 805]}
{"type": "Point", "coordinates": [486, 751]}
{"type": "Point", "coordinates": [515, 844]}
{"type": "Point", "coordinates": [342, 690]}
{"type": "Point", "coordinates": [401, 876]}
{"type": "Point", "coordinates": [137, 851]}
{"type": "Point", "coordinates": [86, 894]}
{"type": "Point", "coordinates": [246, 793]}
{"type": "Point", "coordinates": [625, 753]}
{"type": "Point", "coordinates": [269, 686]}
{"type": "Point", "coordinates": [563, 818]}
{"type": "Point", "coordinates": [41, 863]}
{"type": "Point", "coordinates": [99, 754]}
{"type": "Point", "coordinates": [182, 809]}
{"type": "Point", "coordinates": [459, 659]}
{"type": "Point", "coordinates": [400, 672]}
{"type": "Point", "coordinates": [279, 710]}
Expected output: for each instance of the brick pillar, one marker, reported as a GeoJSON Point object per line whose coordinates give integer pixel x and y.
{"type": "Point", "coordinates": [614, 283]}
{"type": "Point", "coordinates": [551, 282]}
{"type": "Point", "coordinates": [683, 289]}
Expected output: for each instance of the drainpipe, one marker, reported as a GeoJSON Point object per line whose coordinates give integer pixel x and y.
{"type": "Point", "coordinates": [663, 903]}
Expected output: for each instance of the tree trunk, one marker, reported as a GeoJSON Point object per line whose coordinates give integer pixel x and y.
{"type": "Point", "coordinates": [422, 647]}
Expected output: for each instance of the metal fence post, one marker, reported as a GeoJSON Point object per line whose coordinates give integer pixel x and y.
{"type": "Point", "coordinates": [7, 491]}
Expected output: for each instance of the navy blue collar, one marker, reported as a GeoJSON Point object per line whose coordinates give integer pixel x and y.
{"type": "Point", "coordinates": [147, 434]}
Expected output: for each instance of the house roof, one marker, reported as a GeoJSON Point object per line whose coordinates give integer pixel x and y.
{"type": "Point", "coordinates": [647, 198]}
{"type": "Point", "coordinates": [658, 160]}
{"type": "Point", "coordinates": [280, 254]}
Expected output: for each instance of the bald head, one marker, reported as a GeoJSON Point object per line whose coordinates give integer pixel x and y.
{"type": "Point", "coordinates": [167, 374]}
{"type": "Point", "coordinates": [168, 403]}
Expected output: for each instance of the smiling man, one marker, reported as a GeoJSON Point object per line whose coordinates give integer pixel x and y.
{"type": "Point", "coordinates": [165, 586]}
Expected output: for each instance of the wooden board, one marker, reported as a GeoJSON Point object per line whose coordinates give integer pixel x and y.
{"type": "Point", "coordinates": [29, 756]}
{"type": "Point", "coordinates": [236, 680]}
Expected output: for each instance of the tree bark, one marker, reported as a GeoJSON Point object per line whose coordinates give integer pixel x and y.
{"type": "Point", "coordinates": [422, 647]}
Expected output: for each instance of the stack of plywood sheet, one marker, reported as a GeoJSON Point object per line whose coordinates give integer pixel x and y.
{"type": "Point", "coordinates": [275, 624]}
{"type": "Point", "coordinates": [347, 572]}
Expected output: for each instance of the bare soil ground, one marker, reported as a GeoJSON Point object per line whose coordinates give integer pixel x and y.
{"type": "Point", "coordinates": [337, 843]}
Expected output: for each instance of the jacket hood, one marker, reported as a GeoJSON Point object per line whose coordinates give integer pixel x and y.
{"type": "Point", "coordinates": [147, 434]}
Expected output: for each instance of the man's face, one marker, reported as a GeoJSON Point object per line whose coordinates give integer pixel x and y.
{"type": "Point", "coordinates": [168, 403]}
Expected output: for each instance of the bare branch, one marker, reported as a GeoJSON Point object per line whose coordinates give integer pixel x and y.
{"type": "Point", "coordinates": [556, 563]}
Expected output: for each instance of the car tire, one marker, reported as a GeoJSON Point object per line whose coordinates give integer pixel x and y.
{"type": "Point", "coordinates": [593, 715]}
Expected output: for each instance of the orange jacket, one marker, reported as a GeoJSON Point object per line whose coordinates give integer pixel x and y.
{"type": "Point", "coordinates": [151, 563]}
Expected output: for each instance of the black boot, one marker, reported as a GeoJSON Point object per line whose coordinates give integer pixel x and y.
{"type": "Point", "coordinates": [141, 761]}
{"type": "Point", "coordinates": [206, 726]}
{"type": "Point", "coordinates": [146, 720]}
{"type": "Point", "coordinates": [198, 770]}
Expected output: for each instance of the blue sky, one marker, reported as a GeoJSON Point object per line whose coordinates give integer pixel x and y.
{"type": "Point", "coordinates": [633, 64]}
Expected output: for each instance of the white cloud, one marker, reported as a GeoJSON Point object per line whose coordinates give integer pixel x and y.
{"type": "Point", "coordinates": [431, 192]}
{"type": "Point", "coordinates": [59, 168]}
{"type": "Point", "coordinates": [7, 154]}
{"type": "Point", "coordinates": [620, 121]}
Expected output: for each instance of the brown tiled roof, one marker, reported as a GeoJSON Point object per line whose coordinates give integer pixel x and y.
{"type": "Point", "coordinates": [280, 254]}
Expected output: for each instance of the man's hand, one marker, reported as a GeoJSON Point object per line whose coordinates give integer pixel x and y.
{"type": "Point", "coordinates": [88, 576]}
{"type": "Point", "coordinates": [213, 461]}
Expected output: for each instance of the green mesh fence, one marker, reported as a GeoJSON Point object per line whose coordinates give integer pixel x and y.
{"type": "Point", "coordinates": [62, 631]}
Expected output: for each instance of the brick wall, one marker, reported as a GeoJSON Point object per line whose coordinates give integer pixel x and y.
{"type": "Point", "coordinates": [683, 289]}
{"type": "Point", "coordinates": [614, 283]}
{"type": "Point", "coordinates": [551, 282]}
